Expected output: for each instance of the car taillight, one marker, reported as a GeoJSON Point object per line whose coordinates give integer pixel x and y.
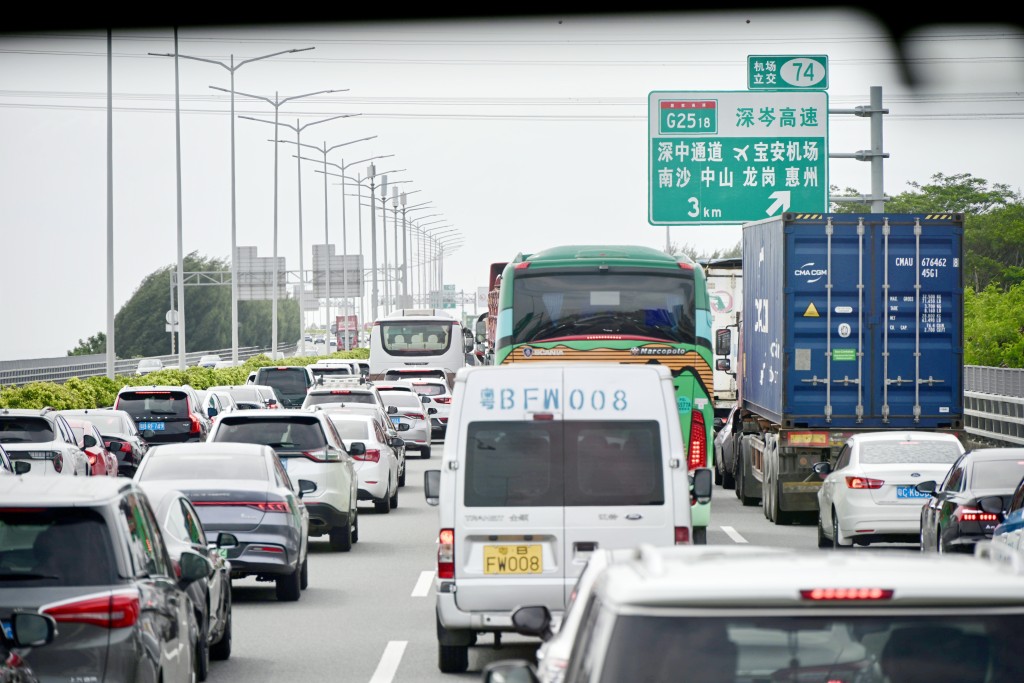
{"type": "Point", "coordinates": [446, 554]}
{"type": "Point", "coordinates": [444, 399]}
{"type": "Point", "coordinates": [371, 455]}
{"type": "Point", "coordinates": [974, 515]}
{"type": "Point", "coordinates": [322, 454]}
{"type": "Point", "coordinates": [195, 426]}
{"type": "Point", "coordinates": [108, 610]}
{"type": "Point", "coordinates": [846, 594]}
{"type": "Point", "coordinates": [91, 457]}
{"type": "Point", "coordinates": [275, 506]}
{"type": "Point", "coordinates": [415, 416]}
{"type": "Point", "coordinates": [863, 483]}
{"type": "Point", "coordinates": [698, 441]}
{"type": "Point", "coordinates": [682, 535]}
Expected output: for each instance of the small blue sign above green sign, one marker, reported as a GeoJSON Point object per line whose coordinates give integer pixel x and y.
{"type": "Point", "coordinates": [787, 72]}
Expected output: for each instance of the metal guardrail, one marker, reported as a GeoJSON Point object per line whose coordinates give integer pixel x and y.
{"type": "Point", "coordinates": [994, 404]}
{"type": "Point", "coordinates": [60, 370]}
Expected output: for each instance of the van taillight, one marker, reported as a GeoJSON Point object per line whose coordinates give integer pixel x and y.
{"type": "Point", "coordinates": [698, 441]}
{"type": "Point", "coordinates": [446, 554]}
{"type": "Point", "coordinates": [108, 610]}
{"type": "Point", "coordinates": [682, 535]}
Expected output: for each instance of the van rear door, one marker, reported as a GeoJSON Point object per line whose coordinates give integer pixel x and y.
{"type": "Point", "coordinates": [618, 491]}
{"type": "Point", "coordinates": [509, 494]}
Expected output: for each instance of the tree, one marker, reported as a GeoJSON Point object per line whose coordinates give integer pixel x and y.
{"type": "Point", "coordinates": [691, 251]}
{"type": "Point", "coordinates": [97, 343]}
{"type": "Point", "coordinates": [140, 324]}
{"type": "Point", "coordinates": [994, 327]}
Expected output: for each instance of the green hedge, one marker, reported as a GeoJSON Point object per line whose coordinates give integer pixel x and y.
{"type": "Point", "coordinates": [100, 392]}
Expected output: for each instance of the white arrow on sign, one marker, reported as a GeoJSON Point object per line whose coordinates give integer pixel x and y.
{"type": "Point", "coordinates": [781, 200]}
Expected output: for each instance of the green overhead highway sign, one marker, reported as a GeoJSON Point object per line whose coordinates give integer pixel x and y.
{"type": "Point", "coordinates": [787, 72]}
{"type": "Point", "coordinates": [718, 158]}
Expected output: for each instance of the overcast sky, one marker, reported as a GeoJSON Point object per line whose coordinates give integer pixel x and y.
{"type": "Point", "coordinates": [520, 133]}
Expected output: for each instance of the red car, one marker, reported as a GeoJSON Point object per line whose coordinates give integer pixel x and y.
{"type": "Point", "coordinates": [101, 461]}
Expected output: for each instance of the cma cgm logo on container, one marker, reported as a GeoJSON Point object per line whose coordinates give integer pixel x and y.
{"type": "Point", "coordinates": [809, 271]}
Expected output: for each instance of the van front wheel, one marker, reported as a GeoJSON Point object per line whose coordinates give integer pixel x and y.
{"type": "Point", "coordinates": [452, 659]}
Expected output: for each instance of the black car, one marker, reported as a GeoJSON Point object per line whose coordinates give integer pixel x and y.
{"type": "Point", "coordinates": [290, 382]}
{"type": "Point", "coordinates": [211, 596]}
{"type": "Point", "coordinates": [241, 489]}
{"type": "Point", "coordinates": [164, 414]}
{"type": "Point", "coordinates": [970, 502]}
{"type": "Point", "coordinates": [89, 552]}
{"type": "Point", "coordinates": [120, 435]}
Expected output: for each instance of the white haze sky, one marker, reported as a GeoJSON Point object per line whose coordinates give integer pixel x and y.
{"type": "Point", "coordinates": [521, 133]}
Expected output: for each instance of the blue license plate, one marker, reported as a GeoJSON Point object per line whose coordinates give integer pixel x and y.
{"type": "Point", "coordinates": [910, 492]}
{"type": "Point", "coordinates": [152, 426]}
{"type": "Point", "coordinates": [8, 633]}
{"type": "Point", "coordinates": [396, 421]}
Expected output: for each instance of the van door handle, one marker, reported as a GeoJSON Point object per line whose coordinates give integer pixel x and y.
{"type": "Point", "coordinates": [584, 546]}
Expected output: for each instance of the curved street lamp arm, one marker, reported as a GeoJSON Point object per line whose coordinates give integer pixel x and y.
{"type": "Point", "coordinates": [273, 123]}
{"type": "Point", "coordinates": [350, 142]}
{"type": "Point", "coordinates": [309, 94]}
{"type": "Point", "coordinates": [275, 54]}
{"type": "Point", "coordinates": [269, 101]}
{"type": "Point", "coordinates": [329, 118]}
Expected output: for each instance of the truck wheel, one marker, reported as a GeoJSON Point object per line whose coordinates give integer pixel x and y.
{"type": "Point", "coordinates": [700, 535]}
{"type": "Point", "coordinates": [452, 659]}
{"type": "Point", "coordinates": [728, 480]}
{"type": "Point", "coordinates": [779, 516]}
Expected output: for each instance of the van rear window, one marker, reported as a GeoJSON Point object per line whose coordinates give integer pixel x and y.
{"type": "Point", "coordinates": [571, 463]}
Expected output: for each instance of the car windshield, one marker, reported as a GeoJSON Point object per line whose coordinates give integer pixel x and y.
{"type": "Point", "coordinates": [156, 403]}
{"type": "Point", "coordinates": [996, 474]}
{"type": "Point", "coordinates": [351, 429]}
{"type": "Point", "coordinates": [430, 389]}
{"type": "Point", "coordinates": [204, 466]}
{"type": "Point", "coordinates": [108, 424]}
{"type": "Point", "coordinates": [55, 546]}
{"type": "Point", "coordinates": [929, 647]}
{"type": "Point", "coordinates": [908, 452]}
{"type": "Point", "coordinates": [282, 434]}
{"type": "Point", "coordinates": [401, 399]}
{"type": "Point", "coordinates": [24, 430]}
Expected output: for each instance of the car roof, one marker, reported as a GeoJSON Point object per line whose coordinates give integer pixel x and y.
{"type": "Point", "coordinates": [1009, 453]}
{"type": "Point", "coordinates": [60, 491]}
{"type": "Point", "coordinates": [656, 581]}
{"type": "Point", "coordinates": [279, 414]}
{"type": "Point", "coordinates": [903, 435]}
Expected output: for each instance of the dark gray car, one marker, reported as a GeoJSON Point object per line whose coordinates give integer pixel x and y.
{"type": "Point", "coordinates": [241, 489]}
{"type": "Point", "coordinates": [89, 552]}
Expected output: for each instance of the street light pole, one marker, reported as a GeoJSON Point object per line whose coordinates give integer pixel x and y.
{"type": "Point", "coordinates": [298, 128]}
{"type": "Point", "coordinates": [276, 104]}
{"type": "Point", "coordinates": [181, 265]}
{"type": "Point", "coordinates": [405, 230]}
{"type": "Point", "coordinates": [232, 68]}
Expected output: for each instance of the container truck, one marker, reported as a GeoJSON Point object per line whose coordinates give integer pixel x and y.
{"type": "Point", "coordinates": [852, 322]}
{"type": "Point", "coordinates": [725, 294]}
{"type": "Point", "coordinates": [489, 321]}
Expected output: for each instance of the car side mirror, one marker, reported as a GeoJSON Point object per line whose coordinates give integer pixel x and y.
{"type": "Point", "coordinates": [211, 412]}
{"type": "Point", "coordinates": [991, 504]}
{"type": "Point", "coordinates": [432, 486]}
{"type": "Point", "coordinates": [703, 478]}
{"type": "Point", "coordinates": [533, 620]}
{"type": "Point", "coordinates": [147, 433]}
{"type": "Point", "coordinates": [22, 467]}
{"type": "Point", "coordinates": [32, 629]}
{"type": "Point", "coordinates": [930, 486]}
{"type": "Point", "coordinates": [392, 410]}
{"type": "Point", "coordinates": [89, 440]}
{"type": "Point", "coordinates": [403, 427]}
{"type": "Point", "coordinates": [192, 567]}
{"type": "Point", "coordinates": [225, 540]}
{"type": "Point", "coordinates": [425, 399]}
{"type": "Point", "coordinates": [431, 411]}
{"type": "Point", "coordinates": [306, 486]}
{"type": "Point", "coordinates": [822, 469]}
{"type": "Point", "coordinates": [357, 448]}
{"type": "Point", "coordinates": [397, 442]}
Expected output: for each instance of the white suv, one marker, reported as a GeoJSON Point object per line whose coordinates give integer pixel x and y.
{"type": "Point", "coordinates": [440, 395]}
{"type": "Point", "coordinates": [310, 448]}
{"type": "Point", "coordinates": [44, 439]}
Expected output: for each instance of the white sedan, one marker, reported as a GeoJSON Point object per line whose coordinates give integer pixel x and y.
{"type": "Point", "coordinates": [377, 469]}
{"type": "Point", "coordinates": [869, 495]}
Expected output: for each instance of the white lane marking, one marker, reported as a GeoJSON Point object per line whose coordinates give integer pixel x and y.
{"type": "Point", "coordinates": [733, 534]}
{"type": "Point", "coordinates": [423, 584]}
{"type": "Point", "coordinates": [389, 661]}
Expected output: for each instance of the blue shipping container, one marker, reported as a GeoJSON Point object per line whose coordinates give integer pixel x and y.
{"type": "Point", "coordinates": [854, 320]}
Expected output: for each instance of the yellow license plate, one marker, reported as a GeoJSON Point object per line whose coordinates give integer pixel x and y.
{"type": "Point", "coordinates": [513, 559]}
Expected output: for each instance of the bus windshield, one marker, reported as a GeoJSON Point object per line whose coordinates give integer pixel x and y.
{"type": "Point", "coordinates": [548, 306]}
{"type": "Point", "coordinates": [416, 338]}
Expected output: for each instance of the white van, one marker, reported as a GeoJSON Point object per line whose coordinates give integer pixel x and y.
{"type": "Point", "coordinates": [418, 338]}
{"type": "Point", "coordinates": [542, 465]}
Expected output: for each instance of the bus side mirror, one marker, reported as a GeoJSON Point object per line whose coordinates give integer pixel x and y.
{"type": "Point", "coordinates": [723, 364]}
